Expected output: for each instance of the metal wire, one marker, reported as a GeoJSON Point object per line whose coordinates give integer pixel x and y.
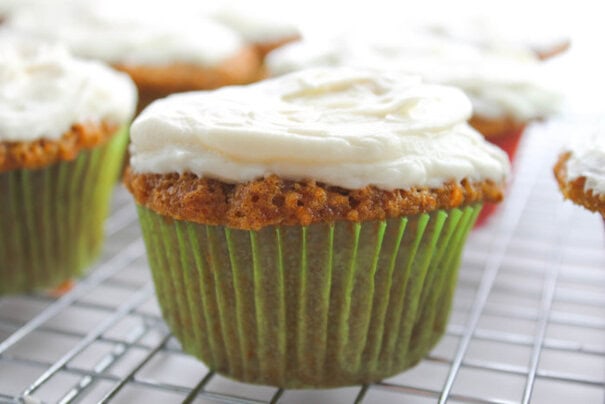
{"type": "Point", "coordinates": [547, 301]}
{"type": "Point", "coordinates": [530, 286]}
{"type": "Point", "coordinates": [508, 221]}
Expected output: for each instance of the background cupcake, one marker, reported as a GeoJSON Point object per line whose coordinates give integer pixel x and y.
{"type": "Point", "coordinates": [62, 136]}
{"type": "Point", "coordinates": [580, 172]}
{"type": "Point", "coordinates": [328, 258]}
{"type": "Point", "coordinates": [166, 47]}
{"type": "Point", "coordinates": [494, 32]}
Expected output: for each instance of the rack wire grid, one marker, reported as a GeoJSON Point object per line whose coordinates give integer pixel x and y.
{"type": "Point", "coordinates": [528, 323]}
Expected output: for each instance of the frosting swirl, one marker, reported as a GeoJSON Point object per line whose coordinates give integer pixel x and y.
{"type": "Point", "coordinates": [500, 83]}
{"type": "Point", "coordinates": [345, 127]}
{"type": "Point", "coordinates": [44, 91]}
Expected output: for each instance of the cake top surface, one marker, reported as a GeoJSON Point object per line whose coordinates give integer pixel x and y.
{"type": "Point", "coordinates": [501, 82]}
{"type": "Point", "coordinates": [44, 91]}
{"type": "Point", "coordinates": [130, 31]}
{"type": "Point", "coordinates": [587, 159]}
{"type": "Point", "coordinates": [340, 126]}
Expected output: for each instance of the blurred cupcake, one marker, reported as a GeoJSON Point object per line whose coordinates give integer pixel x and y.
{"type": "Point", "coordinates": [545, 41]}
{"type": "Point", "coordinates": [306, 231]}
{"type": "Point", "coordinates": [63, 131]}
{"type": "Point", "coordinates": [164, 49]}
{"type": "Point", "coordinates": [580, 172]}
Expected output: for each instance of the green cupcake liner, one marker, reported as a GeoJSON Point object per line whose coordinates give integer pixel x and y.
{"type": "Point", "coordinates": [51, 219]}
{"type": "Point", "coordinates": [319, 306]}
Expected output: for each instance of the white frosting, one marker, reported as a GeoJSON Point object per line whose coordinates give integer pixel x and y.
{"type": "Point", "coordinates": [44, 91]}
{"type": "Point", "coordinates": [499, 83]}
{"type": "Point", "coordinates": [588, 160]}
{"type": "Point", "coordinates": [519, 32]}
{"type": "Point", "coordinates": [129, 31]}
{"type": "Point", "coordinates": [255, 24]}
{"type": "Point", "coordinates": [341, 126]}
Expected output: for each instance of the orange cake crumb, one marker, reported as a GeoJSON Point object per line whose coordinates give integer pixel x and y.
{"type": "Point", "coordinates": [574, 190]}
{"type": "Point", "coordinates": [43, 152]}
{"type": "Point", "coordinates": [159, 81]}
{"type": "Point", "coordinates": [275, 201]}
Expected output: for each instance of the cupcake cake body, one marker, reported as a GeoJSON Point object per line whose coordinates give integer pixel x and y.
{"type": "Point", "coordinates": [62, 135]}
{"type": "Point", "coordinates": [580, 172]}
{"type": "Point", "coordinates": [321, 215]}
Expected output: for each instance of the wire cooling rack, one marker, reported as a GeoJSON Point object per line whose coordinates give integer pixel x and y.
{"type": "Point", "coordinates": [528, 323]}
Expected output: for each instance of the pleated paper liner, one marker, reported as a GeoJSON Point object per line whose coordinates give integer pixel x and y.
{"type": "Point", "coordinates": [319, 306]}
{"type": "Point", "coordinates": [52, 218]}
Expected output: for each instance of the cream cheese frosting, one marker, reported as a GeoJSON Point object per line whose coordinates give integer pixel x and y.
{"type": "Point", "coordinates": [587, 160]}
{"type": "Point", "coordinates": [500, 83]}
{"type": "Point", "coordinates": [502, 32]}
{"type": "Point", "coordinates": [256, 24]}
{"type": "Point", "coordinates": [133, 32]}
{"type": "Point", "coordinates": [341, 126]}
{"type": "Point", "coordinates": [44, 91]}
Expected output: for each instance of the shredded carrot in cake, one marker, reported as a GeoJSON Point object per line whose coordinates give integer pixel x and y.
{"type": "Point", "coordinates": [43, 152]}
{"type": "Point", "coordinates": [275, 201]}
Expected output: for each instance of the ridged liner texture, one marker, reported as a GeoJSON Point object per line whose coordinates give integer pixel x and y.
{"type": "Point", "coordinates": [325, 305]}
{"type": "Point", "coordinates": [51, 219]}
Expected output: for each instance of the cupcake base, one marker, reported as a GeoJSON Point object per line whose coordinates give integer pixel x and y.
{"type": "Point", "coordinates": [319, 306]}
{"type": "Point", "coordinates": [52, 218]}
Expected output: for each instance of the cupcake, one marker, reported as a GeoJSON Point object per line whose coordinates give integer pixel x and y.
{"type": "Point", "coordinates": [580, 172]}
{"type": "Point", "coordinates": [306, 231]}
{"type": "Point", "coordinates": [63, 131]}
{"type": "Point", "coordinates": [164, 49]}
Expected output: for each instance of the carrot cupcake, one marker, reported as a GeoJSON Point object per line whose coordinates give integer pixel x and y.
{"type": "Point", "coordinates": [306, 231]}
{"type": "Point", "coordinates": [580, 172]}
{"type": "Point", "coordinates": [164, 49]}
{"type": "Point", "coordinates": [62, 137]}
